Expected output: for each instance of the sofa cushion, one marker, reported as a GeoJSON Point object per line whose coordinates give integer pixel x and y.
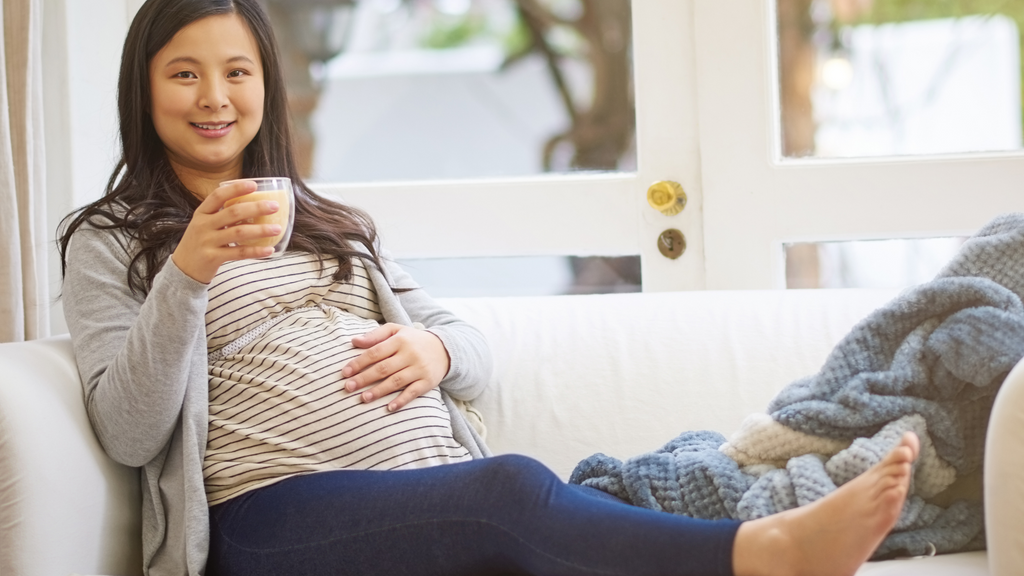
{"type": "Point", "coordinates": [624, 373]}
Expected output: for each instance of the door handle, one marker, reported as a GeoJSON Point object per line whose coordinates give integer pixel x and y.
{"type": "Point", "coordinates": [667, 197]}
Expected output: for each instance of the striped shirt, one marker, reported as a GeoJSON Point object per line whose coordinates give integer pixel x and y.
{"type": "Point", "coordinates": [279, 332]}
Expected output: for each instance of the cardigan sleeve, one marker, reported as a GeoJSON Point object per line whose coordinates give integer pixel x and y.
{"type": "Point", "coordinates": [133, 352]}
{"type": "Point", "coordinates": [471, 364]}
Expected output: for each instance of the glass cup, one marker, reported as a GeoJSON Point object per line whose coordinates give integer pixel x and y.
{"type": "Point", "coordinates": [280, 191]}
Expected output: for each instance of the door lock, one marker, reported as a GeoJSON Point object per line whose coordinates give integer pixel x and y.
{"type": "Point", "coordinates": [671, 244]}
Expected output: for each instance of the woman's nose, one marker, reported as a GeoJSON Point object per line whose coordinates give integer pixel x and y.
{"type": "Point", "coordinates": [213, 95]}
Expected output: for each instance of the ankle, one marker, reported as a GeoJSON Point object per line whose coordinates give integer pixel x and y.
{"type": "Point", "coordinates": [764, 547]}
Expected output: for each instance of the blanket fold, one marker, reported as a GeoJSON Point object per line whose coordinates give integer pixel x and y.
{"type": "Point", "coordinates": [931, 361]}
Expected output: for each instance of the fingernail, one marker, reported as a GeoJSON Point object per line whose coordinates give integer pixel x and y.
{"type": "Point", "coordinates": [367, 397]}
{"type": "Point", "coordinates": [271, 205]}
{"type": "Point", "coordinates": [275, 228]}
{"type": "Point", "coordinates": [350, 386]}
{"type": "Point", "coordinates": [392, 407]}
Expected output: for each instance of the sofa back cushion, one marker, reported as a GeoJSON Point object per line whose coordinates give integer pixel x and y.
{"type": "Point", "coordinates": [624, 373]}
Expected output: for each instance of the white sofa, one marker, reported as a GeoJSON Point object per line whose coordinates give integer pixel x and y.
{"type": "Point", "coordinates": [619, 374]}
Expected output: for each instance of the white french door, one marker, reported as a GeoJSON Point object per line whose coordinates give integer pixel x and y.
{"type": "Point", "coordinates": [707, 117]}
{"type": "Point", "coordinates": [754, 200]}
{"type": "Point", "coordinates": [580, 215]}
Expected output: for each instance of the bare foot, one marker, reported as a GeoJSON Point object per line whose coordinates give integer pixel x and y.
{"type": "Point", "coordinates": [835, 535]}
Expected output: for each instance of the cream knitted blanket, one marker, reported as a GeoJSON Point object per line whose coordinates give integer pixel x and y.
{"type": "Point", "coordinates": [930, 361]}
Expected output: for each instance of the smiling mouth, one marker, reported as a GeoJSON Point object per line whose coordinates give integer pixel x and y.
{"type": "Point", "coordinates": [220, 126]}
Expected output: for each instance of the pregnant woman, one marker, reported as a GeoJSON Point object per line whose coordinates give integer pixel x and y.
{"type": "Point", "coordinates": [296, 415]}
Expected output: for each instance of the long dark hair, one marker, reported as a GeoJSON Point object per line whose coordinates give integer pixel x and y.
{"type": "Point", "coordinates": [144, 195]}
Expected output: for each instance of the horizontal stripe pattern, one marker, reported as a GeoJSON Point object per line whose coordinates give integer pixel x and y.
{"type": "Point", "coordinates": [246, 293]}
{"type": "Point", "coordinates": [279, 332]}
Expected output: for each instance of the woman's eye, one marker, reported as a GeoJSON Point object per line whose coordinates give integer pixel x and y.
{"type": "Point", "coordinates": [236, 73]}
{"type": "Point", "coordinates": [185, 74]}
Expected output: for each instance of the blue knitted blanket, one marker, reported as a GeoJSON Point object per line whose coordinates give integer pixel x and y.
{"type": "Point", "coordinates": [930, 361]}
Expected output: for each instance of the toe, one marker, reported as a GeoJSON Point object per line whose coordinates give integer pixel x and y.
{"type": "Point", "coordinates": [911, 441]}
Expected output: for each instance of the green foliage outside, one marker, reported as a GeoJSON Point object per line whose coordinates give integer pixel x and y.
{"type": "Point", "coordinates": [518, 40]}
{"type": "Point", "coordinates": [891, 11]}
{"type": "Point", "coordinates": [454, 32]}
{"type": "Point", "coordinates": [907, 10]}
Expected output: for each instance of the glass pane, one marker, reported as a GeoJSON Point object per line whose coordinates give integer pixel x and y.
{"type": "Point", "coordinates": [867, 264]}
{"type": "Point", "coordinates": [867, 78]}
{"type": "Point", "coordinates": [525, 276]}
{"type": "Point", "coordinates": [446, 89]}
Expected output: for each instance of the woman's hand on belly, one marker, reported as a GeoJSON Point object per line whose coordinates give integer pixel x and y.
{"type": "Point", "coordinates": [396, 358]}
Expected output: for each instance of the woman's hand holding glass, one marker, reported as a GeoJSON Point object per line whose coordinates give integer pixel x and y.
{"type": "Point", "coordinates": [214, 235]}
{"type": "Point", "coordinates": [397, 358]}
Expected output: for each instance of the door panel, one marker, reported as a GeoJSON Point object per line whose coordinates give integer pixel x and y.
{"type": "Point", "coordinates": [573, 214]}
{"type": "Point", "coordinates": [755, 201]}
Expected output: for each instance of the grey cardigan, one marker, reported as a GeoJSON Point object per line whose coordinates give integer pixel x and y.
{"type": "Point", "coordinates": [143, 364]}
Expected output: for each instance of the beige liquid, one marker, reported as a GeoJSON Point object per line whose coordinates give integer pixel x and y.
{"type": "Point", "coordinates": [280, 217]}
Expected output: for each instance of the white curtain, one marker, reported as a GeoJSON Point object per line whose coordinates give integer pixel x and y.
{"type": "Point", "coordinates": [24, 287]}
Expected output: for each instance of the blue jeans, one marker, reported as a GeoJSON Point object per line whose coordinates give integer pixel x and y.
{"type": "Point", "coordinates": [502, 515]}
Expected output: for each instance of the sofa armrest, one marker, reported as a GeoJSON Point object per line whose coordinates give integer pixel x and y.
{"type": "Point", "coordinates": [1004, 478]}
{"type": "Point", "coordinates": [64, 505]}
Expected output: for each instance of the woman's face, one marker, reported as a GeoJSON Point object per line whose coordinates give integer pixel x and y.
{"type": "Point", "coordinates": [207, 89]}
